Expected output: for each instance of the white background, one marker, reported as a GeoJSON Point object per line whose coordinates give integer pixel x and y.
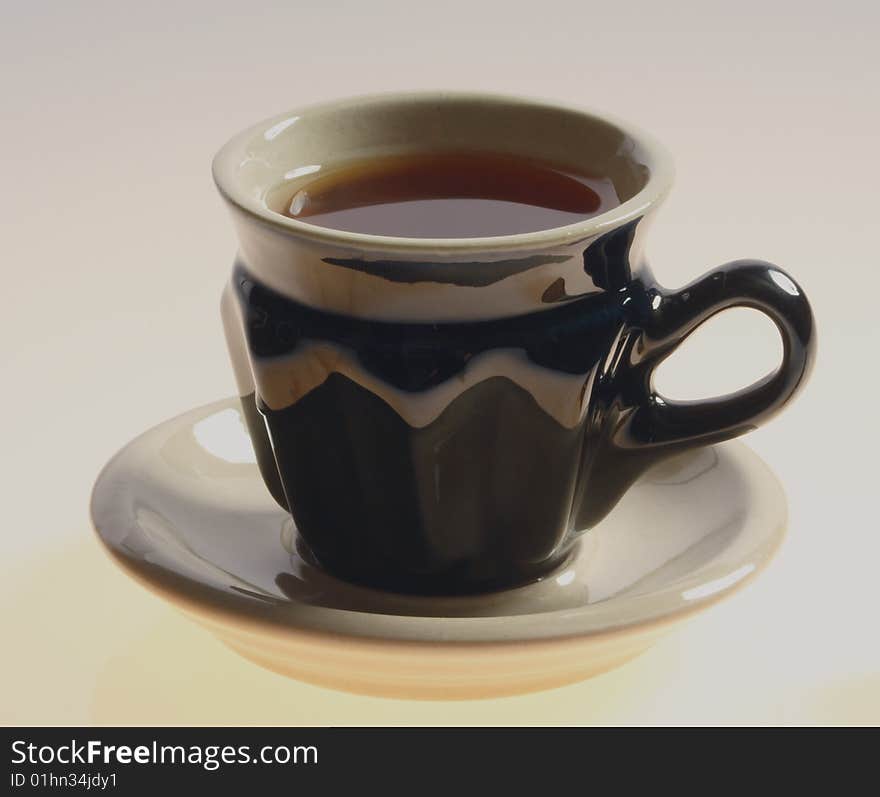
{"type": "Point", "coordinates": [115, 248]}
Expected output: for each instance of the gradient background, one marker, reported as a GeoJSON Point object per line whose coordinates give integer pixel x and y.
{"type": "Point", "coordinates": [115, 249]}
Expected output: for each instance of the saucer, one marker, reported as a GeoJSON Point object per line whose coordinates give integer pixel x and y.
{"type": "Point", "coordinates": [183, 510]}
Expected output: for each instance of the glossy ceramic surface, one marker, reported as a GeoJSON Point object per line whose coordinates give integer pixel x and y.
{"type": "Point", "coordinates": [184, 511]}
{"type": "Point", "coordinates": [449, 416]}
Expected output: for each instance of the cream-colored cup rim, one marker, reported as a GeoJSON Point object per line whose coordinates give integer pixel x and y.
{"type": "Point", "coordinates": [228, 160]}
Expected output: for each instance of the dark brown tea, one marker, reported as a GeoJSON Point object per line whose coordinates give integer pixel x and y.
{"type": "Point", "coordinates": [450, 195]}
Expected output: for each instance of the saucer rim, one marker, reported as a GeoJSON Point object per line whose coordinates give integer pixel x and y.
{"type": "Point", "coordinates": [613, 616]}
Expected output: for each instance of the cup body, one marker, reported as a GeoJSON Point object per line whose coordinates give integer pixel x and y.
{"type": "Point", "coordinates": [442, 416]}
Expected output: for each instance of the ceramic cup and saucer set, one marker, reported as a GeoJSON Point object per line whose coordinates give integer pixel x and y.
{"type": "Point", "coordinates": [447, 473]}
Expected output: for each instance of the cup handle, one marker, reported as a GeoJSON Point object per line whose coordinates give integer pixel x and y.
{"type": "Point", "coordinates": [662, 425]}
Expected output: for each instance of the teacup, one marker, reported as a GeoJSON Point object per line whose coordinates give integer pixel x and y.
{"type": "Point", "coordinates": [449, 415]}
